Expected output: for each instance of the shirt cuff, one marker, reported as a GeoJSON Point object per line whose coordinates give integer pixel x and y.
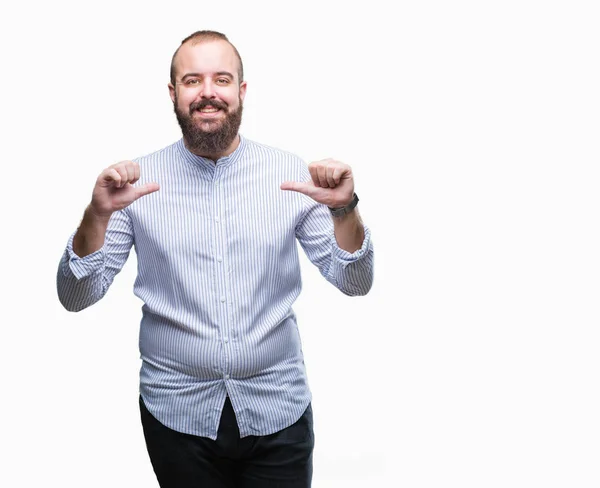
{"type": "Point", "coordinates": [87, 265]}
{"type": "Point", "coordinates": [346, 257]}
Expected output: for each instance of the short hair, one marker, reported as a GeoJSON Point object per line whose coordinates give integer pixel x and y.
{"type": "Point", "coordinates": [207, 35]}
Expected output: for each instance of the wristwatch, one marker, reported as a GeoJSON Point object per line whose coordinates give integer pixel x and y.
{"type": "Point", "coordinates": [341, 211]}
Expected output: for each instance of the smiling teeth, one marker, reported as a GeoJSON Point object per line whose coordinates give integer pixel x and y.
{"type": "Point", "coordinates": [209, 110]}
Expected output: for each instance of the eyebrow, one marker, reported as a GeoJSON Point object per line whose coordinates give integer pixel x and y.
{"type": "Point", "coordinates": [199, 75]}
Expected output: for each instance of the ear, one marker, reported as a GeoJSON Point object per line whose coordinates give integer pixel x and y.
{"type": "Point", "coordinates": [243, 90]}
{"type": "Point", "coordinates": [172, 92]}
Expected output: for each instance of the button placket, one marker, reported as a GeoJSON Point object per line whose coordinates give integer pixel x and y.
{"type": "Point", "coordinates": [220, 269]}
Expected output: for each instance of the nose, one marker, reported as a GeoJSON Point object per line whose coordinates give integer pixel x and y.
{"type": "Point", "coordinates": [208, 89]}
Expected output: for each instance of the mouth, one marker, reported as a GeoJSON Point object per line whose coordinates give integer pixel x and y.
{"type": "Point", "coordinates": [208, 112]}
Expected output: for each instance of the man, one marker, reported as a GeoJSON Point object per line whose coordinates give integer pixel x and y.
{"type": "Point", "coordinates": [224, 397]}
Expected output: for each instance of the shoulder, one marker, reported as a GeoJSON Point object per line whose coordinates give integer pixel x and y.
{"type": "Point", "coordinates": [161, 155]}
{"type": "Point", "coordinates": [166, 164]}
{"type": "Point", "coordinates": [257, 150]}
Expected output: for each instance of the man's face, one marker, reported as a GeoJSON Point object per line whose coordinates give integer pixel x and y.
{"type": "Point", "coordinates": [207, 96]}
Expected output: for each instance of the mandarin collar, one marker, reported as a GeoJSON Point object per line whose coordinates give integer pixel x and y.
{"type": "Point", "coordinates": [206, 162]}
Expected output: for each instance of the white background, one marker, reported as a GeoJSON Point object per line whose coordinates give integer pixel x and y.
{"type": "Point", "coordinates": [472, 128]}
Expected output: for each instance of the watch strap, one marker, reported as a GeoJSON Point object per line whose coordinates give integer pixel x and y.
{"type": "Point", "coordinates": [341, 211]}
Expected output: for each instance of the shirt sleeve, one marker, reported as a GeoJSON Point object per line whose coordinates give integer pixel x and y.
{"type": "Point", "coordinates": [351, 273]}
{"type": "Point", "coordinates": [82, 281]}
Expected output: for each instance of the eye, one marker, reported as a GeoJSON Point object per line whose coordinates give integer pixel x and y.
{"type": "Point", "coordinates": [192, 81]}
{"type": "Point", "coordinates": [223, 81]}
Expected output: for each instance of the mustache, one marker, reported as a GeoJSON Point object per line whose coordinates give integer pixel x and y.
{"type": "Point", "coordinates": [206, 103]}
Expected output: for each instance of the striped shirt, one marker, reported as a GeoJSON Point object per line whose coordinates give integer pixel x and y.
{"type": "Point", "coordinates": [218, 272]}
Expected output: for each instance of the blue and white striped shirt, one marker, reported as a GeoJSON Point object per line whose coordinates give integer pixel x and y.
{"type": "Point", "coordinates": [218, 272]}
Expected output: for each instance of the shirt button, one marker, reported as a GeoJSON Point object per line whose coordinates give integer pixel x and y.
{"type": "Point", "coordinates": [226, 339]}
{"type": "Point", "coordinates": [223, 299]}
{"type": "Point", "coordinates": [220, 259]}
{"type": "Point", "coordinates": [217, 220]}
{"type": "Point", "coordinates": [226, 376]}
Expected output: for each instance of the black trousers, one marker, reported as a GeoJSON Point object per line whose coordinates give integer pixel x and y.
{"type": "Point", "coordinates": [282, 460]}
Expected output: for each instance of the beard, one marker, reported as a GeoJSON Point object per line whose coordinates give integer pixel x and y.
{"type": "Point", "coordinates": [218, 137]}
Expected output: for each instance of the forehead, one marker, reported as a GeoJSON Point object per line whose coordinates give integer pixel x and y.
{"type": "Point", "coordinates": [206, 57]}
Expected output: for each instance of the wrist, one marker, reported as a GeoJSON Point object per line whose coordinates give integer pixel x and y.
{"type": "Point", "coordinates": [93, 214]}
{"type": "Point", "coordinates": [341, 211]}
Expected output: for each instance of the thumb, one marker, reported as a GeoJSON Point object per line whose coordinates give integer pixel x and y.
{"type": "Point", "coordinates": [146, 189]}
{"type": "Point", "coordinates": [305, 188]}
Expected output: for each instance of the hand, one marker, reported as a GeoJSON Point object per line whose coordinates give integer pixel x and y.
{"type": "Point", "coordinates": [114, 189]}
{"type": "Point", "coordinates": [332, 183]}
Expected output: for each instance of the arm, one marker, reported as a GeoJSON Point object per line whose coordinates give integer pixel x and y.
{"type": "Point", "coordinates": [84, 277]}
{"type": "Point", "coordinates": [349, 231]}
{"type": "Point", "coordinates": [339, 246]}
{"type": "Point", "coordinates": [90, 235]}
{"type": "Point", "coordinates": [101, 245]}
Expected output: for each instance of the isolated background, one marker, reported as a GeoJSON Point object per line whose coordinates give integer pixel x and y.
{"type": "Point", "coordinates": [472, 128]}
